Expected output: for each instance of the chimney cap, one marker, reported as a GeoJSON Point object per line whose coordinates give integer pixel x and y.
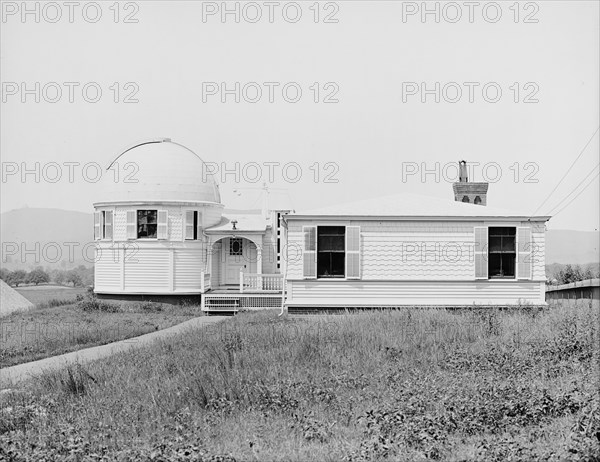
{"type": "Point", "coordinates": [462, 171]}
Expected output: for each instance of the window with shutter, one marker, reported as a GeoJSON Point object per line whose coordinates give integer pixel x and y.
{"type": "Point", "coordinates": [132, 229]}
{"type": "Point", "coordinates": [97, 225]}
{"type": "Point", "coordinates": [163, 224]}
{"type": "Point", "coordinates": [309, 269]}
{"type": "Point", "coordinates": [524, 253]}
{"type": "Point", "coordinates": [353, 252]}
{"type": "Point", "coordinates": [501, 252]}
{"type": "Point", "coordinates": [331, 251]}
{"type": "Point", "coordinates": [481, 243]}
{"type": "Point", "coordinates": [190, 224]}
{"type": "Point", "coordinates": [107, 222]}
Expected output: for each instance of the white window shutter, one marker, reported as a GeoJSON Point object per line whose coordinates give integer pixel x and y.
{"type": "Point", "coordinates": [309, 270]}
{"type": "Point", "coordinates": [524, 251]}
{"type": "Point", "coordinates": [163, 221]}
{"type": "Point", "coordinates": [199, 226]}
{"type": "Point", "coordinates": [97, 217]}
{"type": "Point", "coordinates": [481, 252]}
{"type": "Point", "coordinates": [108, 224]}
{"type": "Point", "coordinates": [189, 224]}
{"type": "Point", "coordinates": [131, 224]}
{"type": "Point", "coordinates": [353, 252]}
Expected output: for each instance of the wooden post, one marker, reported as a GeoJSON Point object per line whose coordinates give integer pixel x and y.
{"type": "Point", "coordinates": [241, 281]}
{"type": "Point", "coordinates": [202, 288]}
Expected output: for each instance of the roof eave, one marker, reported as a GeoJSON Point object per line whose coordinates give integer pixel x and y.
{"type": "Point", "coordinates": [417, 217]}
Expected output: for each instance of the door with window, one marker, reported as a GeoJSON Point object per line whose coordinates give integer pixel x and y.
{"type": "Point", "coordinates": [239, 255]}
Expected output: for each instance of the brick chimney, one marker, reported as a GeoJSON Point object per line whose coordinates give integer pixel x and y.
{"type": "Point", "coordinates": [466, 191]}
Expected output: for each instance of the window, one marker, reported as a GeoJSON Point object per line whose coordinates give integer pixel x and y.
{"type": "Point", "coordinates": [235, 246]}
{"type": "Point", "coordinates": [477, 200]}
{"type": "Point", "coordinates": [465, 199]}
{"type": "Point", "coordinates": [107, 224]}
{"type": "Point", "coordinates": [331, 251]}
{"type": "Point", "coordinates": [147, 224]}
{"type": "Point", "coordinates": [191, 225]}
{"type": "Point", "coordinates": [502, 252]}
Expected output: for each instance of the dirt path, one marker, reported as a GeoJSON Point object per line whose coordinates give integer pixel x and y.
{"type": "Point", "coordinates": [11, 376]}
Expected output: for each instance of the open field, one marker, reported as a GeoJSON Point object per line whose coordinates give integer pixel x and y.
{"type": "Point", "coordinates": [39, 295]}
{"type": "Point", "coordinates": [44, 332]}
{"type": "Point", "coordinates": [391, 385]}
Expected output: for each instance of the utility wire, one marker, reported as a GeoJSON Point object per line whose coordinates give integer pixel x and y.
{"type": "Point", "coordinates": [573, 191]}
{"type": "Point", "coordinates": [567, 172]}
{"type": "Point", "coordinates": [578, 194]}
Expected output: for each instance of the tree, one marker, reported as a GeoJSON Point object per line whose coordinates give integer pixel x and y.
{"type": "Point", "coordinates": [16, 277]}
{"type": "Point", "coordinates": [572, 273]}
{"type": "Point", "coordinates": [37, 276]}
{"type": "Point", "coordinates": [73, 278]}
{"type": "Point", "coordinates": [58, 276]}
{"type": "Point", "coordinates": [4, 274]}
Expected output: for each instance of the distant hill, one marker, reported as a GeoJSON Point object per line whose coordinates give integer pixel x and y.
{"type": "Point", "coordinates": [27, 226]}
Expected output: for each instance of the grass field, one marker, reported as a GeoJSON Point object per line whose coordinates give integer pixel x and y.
{"type": "Point", "coordinates": [50, 331]}
{"type": "Point", "coordinates": [40, 295]}
{"type": "Point", "coordinates": [404, 385]}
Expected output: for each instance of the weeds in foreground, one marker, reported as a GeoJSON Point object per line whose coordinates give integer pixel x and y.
{"type": "Point", "coordinates": [388, 385]}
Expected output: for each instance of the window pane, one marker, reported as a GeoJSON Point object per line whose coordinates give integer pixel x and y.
{"type": "Point", "coordinates": [508, 264]}
{"type": "Point", "coordinates": [331, 264]}
{"type": "Point", "coordinates": [495, 265]}
{"type": "Point", "coordinates": [147, 223]}
{"type": "Point", "coordinates": [330, 243]}
{"type": "Point", "coordinates": [235, 246]}
{"type": "Point", "coordinates": [508, 244]}
{"type": "Point", "coordinates": [495, 243]}
{"type": "Point", "coordinates": [331, 238]}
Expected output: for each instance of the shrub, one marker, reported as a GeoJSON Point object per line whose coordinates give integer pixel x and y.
{"type": "Point", "coordinates": [92, 303]}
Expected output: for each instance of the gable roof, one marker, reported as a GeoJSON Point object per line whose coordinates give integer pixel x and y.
{"type": "Point", "coordinates": [412, 206]}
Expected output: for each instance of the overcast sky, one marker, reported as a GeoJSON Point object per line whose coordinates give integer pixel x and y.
{"type": "Point", "coordinates": [372, 60]}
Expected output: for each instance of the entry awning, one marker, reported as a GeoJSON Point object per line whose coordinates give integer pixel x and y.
{"type": "Point", "coordinates": [244, 223]}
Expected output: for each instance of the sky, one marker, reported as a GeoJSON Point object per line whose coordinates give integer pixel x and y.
{"type": "Point", "coordinates": [326, 102]}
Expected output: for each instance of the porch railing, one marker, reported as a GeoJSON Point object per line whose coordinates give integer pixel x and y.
{"type": "Point", "coordinates": [205, 283]}
{"type": "Point", "coordinates": [261, 282]}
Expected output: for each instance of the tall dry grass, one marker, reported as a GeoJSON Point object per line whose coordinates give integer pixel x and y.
{"type": "Point", "coordinates": [402, 385]}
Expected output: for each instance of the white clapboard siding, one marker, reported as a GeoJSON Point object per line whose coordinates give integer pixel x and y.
{"type": "Point", "coordinates": [189, 265]}
{"type": "Point", "coordinates": [149, 271]}
{"type": "Point", "coordinates": [107, 269]}
{"type": "Point", "coordinates": [386, 252]}
{"type": "Point", "coordinates": [396, 293]}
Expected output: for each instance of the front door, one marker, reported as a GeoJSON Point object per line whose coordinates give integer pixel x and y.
{"type": "Point", "coordinates": [240, 255]}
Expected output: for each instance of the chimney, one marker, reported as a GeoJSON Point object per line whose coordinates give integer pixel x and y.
{"type": "Point", "coordinates": [466, 191]}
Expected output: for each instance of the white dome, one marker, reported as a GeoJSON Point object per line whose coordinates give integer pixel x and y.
{"type": "Point", "coordinates": [159, 171]}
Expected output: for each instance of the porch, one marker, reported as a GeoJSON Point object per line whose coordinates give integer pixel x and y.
{"type": "Point", "coordinates": [253, 292]}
